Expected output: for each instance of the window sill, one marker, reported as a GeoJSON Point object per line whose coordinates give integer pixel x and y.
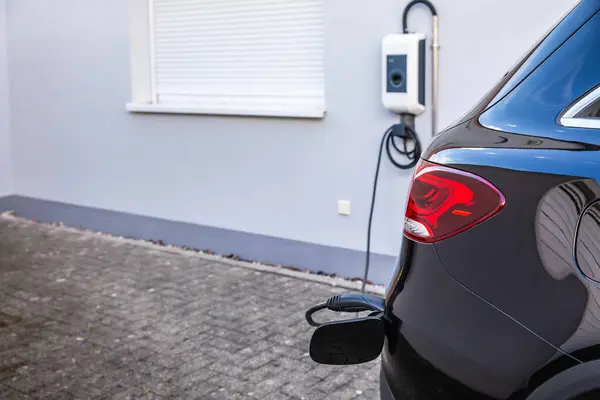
{"type": "Point", "coordinates": [288, 112]}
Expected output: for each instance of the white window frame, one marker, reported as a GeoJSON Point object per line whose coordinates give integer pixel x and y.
{"type": "Point", "coordinates": [569, 118]}
{"type": "Point", "coordinates": [143, 78]}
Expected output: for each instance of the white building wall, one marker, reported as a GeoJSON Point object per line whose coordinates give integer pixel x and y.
{"type": "Point", "coordinates": [73, 141]}
{"type": "Point", "coordinates": [5, 159]}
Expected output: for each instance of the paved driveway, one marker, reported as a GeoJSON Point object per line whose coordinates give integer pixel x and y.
{"type": "Point", "coordinates": [88, 316]}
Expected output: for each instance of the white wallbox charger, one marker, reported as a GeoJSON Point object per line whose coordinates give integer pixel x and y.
{"type": "Point", "coordinates": [403, 73]}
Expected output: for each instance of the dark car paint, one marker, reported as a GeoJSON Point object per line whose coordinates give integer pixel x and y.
{"type": "Point", "coordinates": [534, 57]}
{"type": "Point", "coordinates": [493, 310]}
{"type": "Point", "coordinates": [588, 234]}
{"type": "Point", "coordinates": [569, 383]}
{"type": "Point", "coordinates": [534, 106]}
{"type": "Point", "coordinates": [458, 333]}
{"type": "Point", "coordinates": [508, 271]}
{"type": "Point", "coordinates": [548, 45]}
{"type": "Point", "coordinates": [524, 174]}
{"type": "Point", "coordinates": [558, 218]}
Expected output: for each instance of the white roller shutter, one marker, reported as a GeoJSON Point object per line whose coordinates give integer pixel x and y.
{"type": "Point", "coordinates": [253, 57]}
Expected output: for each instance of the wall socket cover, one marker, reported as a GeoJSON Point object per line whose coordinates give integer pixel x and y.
{"type": "Point", "coordinates": [343, 207]}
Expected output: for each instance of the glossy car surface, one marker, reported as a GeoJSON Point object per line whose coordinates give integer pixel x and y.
{"type": "Point", "coordinates": [510, 307]}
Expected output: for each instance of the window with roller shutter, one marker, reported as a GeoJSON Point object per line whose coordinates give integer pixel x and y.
{"type": "Point", "coordinates": [238, 57]}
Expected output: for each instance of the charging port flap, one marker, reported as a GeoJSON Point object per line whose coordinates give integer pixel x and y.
{"type": "Point", "coordinates": [351, 341]}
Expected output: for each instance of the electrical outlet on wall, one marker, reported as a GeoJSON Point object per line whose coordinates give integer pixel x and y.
{"type": "Point", "coordinates": [343, 207]}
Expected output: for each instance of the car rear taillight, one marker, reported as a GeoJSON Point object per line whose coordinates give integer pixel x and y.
{"type": "Point", "coordinates": [445, 201]}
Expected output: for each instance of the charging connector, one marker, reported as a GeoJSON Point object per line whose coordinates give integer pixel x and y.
{"type": "Point", "coordinates": [349, 302]}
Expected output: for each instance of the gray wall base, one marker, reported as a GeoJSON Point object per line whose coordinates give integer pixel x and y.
{"type": "Point", "coordinates": [261, 248]}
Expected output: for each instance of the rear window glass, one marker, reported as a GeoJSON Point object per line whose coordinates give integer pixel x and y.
{"type": "Point", "coordinates": [592, 111]}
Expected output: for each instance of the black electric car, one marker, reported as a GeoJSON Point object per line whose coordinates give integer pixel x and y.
{"type": "Point", "coordinates": [497, 291]}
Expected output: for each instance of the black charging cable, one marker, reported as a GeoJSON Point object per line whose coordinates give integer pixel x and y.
{"type": "Point", "coordinates": [411, 5]}
{"type": "Point", "coordinates": [349, 302]}
{"type": "Point", "coordinates": [399, 133]}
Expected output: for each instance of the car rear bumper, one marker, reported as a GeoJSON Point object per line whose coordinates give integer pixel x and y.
{"type": "Point", "coordinates": [450, 343]}
{"type": "Point", "coordinates": [384, 388]}
{"type": "Point", "coordinates": [411, 377]}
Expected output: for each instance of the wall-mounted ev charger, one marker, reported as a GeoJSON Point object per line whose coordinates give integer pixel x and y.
{"type": "Point", "coordinates": [403, 93]}
{"type": "Point", "coordinates": [403, 73]}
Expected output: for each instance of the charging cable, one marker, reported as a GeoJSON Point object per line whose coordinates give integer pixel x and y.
{"type": "Point", "coordinates": [404, 130]}
{"type": "Point", "coordinates": [349, 302]}
{"type": "Point", "coordinates": [435, 55]}
{"type": "Point", "coordinates": [403, 133]}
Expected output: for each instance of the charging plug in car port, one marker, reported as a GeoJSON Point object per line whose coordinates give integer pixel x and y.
{"type": "Point", "coordinates": [343, 342]}
{"type": "Point", "coordinates": [350, 302]}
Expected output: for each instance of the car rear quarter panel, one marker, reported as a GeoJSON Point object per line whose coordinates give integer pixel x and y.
{"type": "Point", "coordinates": [520, 259]}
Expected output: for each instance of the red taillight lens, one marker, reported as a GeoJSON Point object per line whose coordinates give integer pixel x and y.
{"type": "Point", "coordinates": [444, 201]}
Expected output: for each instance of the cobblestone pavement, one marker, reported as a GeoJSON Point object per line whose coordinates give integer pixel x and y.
{"type": "Point", "coordinates": [87, 316]}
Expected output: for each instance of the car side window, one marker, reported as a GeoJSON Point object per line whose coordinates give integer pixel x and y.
{"type": "Point", "coordinates": [584, 112]}
{"type": "Point", "coordinates": [592, 111]}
